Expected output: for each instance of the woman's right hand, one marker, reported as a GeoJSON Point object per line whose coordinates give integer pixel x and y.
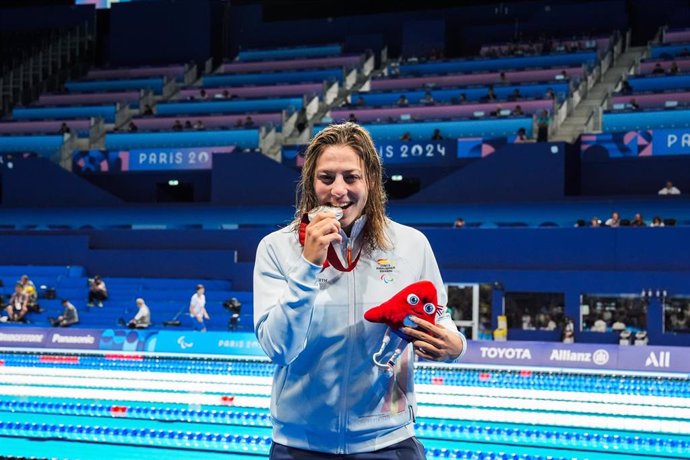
{"type": "Point", "coordinates": [320, 233]}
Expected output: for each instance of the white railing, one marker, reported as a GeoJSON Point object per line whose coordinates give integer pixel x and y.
{"type": "Point", "coordinates": [330, 92]}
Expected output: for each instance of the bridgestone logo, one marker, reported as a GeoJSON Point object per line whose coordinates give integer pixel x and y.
{"type": "Point", "coordinates": [506, 353]}
{"type": "Point", "coordinates": [82, 339]}
{"type": "Point", "coordinates": [21, 338]}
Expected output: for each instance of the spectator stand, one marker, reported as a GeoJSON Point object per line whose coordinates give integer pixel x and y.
{"type": "Point", "coordinates": [319, 73]}
{"type": "Point", "coordinates": [571, 73]}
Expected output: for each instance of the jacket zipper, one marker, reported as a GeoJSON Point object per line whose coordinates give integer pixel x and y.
{"type": "Point", "coordinates": [348, 359]}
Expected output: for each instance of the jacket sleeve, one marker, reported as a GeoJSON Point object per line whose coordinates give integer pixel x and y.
{"type": "Point", "coordinates": [284, 293]}
{"type": "Point", "coordinates": [431, 272]}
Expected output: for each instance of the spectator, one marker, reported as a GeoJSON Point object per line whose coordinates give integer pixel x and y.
{"type": "Point", "coordinates": [17, 306]}
{"type": "Point", "coordinates": [202, 94]}
{"type": "Point", "coordinates": [490, 94]}
{"type": "Point", "coordinates": [406, 136]}
{"type": "Point", "coordinates": [64, 129]}
{"type": "Point", "coordinates": [502, 78]}
{"type": "Point", "coordinates": [658, 70]}
{"type": "Point", "coordinates": [599, 325]}
{"type": "Point", "coordinates": [521, 136]}
{"type": "Point", "coordinates": [543, 123]}
{"type": "Point", "coordinates": [618, 325]}
{"type": "Point", "coordinates": [177, 126]}
{"type": "Point", "coordinates": [518, 110]}
{"type": "Point", "coordinates": [595, 222]}
{"type": "Point", "coordinates": [131, 127]}
{"type": "Point", "coordinates": [143, 317]}
{"type": "Point", "coordinates": [657, 222]}
{"type": "Point", "coordinates": [634, 105]}
{"type": "Point", "coordinates": [29, 289]}
{"type": "Point", "coordinates": [402, 101]}
{"type": "Point", "coordinates": [548, 324]}
{"type": "Point", "coordinates": [498, 112]}
{"type": "Point", "coordinates": [614, 220]}
{"type": "Point", "coordinates": [515, 95]}
{"type": "Point", "coordinates": [437, 136]}
{"type": "Point", "coordinates": [188, 125]}
{"type": "Point", "coordinates": [550, 94]}
{"type": "Point", "coordinates": [674, 68]}
{"type": "Point", "coordinates": [199, 125]}
{"type": "Point", "coordinates": [669, 189]}
{"type": "Point", "coordinates": [459, 223]}
{"type": "Point", "coordinates": [427, 99]}
{"type": "Point", "coordinates": [626, 88]}
{"type": "Point", "coordinates": [197, 309]}
{"type": "Point", "coordinates": [69, 315]}
{"type": "Point", "coordinates": [638, 221]}
{"type": "Point", "coordinates": [148, 110]}
{"type": "Point", "coordinates": [352, 118]}
{"type": "Point", "coordinates": [248, 122]}
{"type": "Point", "coordinates": [98, 292]}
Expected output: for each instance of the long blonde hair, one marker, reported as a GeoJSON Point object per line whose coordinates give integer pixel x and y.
{"type": "Point", "coordinates": [359, 139]}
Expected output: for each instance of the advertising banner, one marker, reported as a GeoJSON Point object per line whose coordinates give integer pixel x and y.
{"type": "Point", "coordinates": [163, 159]}
{"type": "Point", "coordinates": [546, 354]}
{"type": "Point", "coordinates": [483, 353]}
{"type": "Point", "coordinates": [220, 343]}
{"type": "Point", "coordinates": [643, 143]}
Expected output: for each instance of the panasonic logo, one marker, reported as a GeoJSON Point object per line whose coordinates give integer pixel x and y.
{"type": "Point", "coordinates": [82, 339]}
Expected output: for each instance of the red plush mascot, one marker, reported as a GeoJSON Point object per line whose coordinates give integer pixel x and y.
{"type": "Point", "coordinates": [418, 299]}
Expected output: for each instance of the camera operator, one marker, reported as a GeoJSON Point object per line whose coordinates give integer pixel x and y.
{"type": "Point", "coordinates": [234, 307]}
{"type": "Point", "coordinates": [98, 292]}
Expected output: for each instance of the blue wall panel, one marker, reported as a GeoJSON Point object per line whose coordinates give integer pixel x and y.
{"type": "Point", "coordinates": [290, 53]}
{"type": "Point", "coordinates": [107, 112]}
{"type": "Point", "coordinates": [660, 119]}
{"type": "Point", "coordinates": [268, 78]}
{"type": "Point", "coordinates": [256, 105]}
{"type": "Point", "coordinates": [471, 93]}
{"type": "Point", "coordinates": [461, 128]}
{"type": "Point", "coordinates": [474, 65]}
{"type": "Point", "coordinates": [243, 138]}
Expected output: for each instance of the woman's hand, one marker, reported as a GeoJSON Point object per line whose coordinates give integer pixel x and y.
{"type": "Point", "coordinates": [320, 233]}
{"type": "Point", "coordinates": [433, 342]}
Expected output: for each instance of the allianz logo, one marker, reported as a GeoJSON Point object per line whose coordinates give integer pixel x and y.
{"type": "Point", "coordinates": [660, 359]}
{"type": "Point", "coordinates": [505, 353]}
{"type": "Point", "coordinates": [599, 357]}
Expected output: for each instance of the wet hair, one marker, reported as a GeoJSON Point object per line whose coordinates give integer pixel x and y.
{"type": "Point", "coordinates": [354, 136]}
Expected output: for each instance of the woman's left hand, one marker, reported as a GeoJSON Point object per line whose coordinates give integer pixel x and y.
{"type": "Point", "coordinates": [433, 342]}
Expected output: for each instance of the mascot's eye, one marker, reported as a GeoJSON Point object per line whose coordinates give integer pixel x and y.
{"type": "Point", "coordinates": [412, 299]}
{"type": "Point", "coordinates": [429, 308]}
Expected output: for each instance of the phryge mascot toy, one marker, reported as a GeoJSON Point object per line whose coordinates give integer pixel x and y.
{"type": "Point", "coordinates": [419, 299]}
